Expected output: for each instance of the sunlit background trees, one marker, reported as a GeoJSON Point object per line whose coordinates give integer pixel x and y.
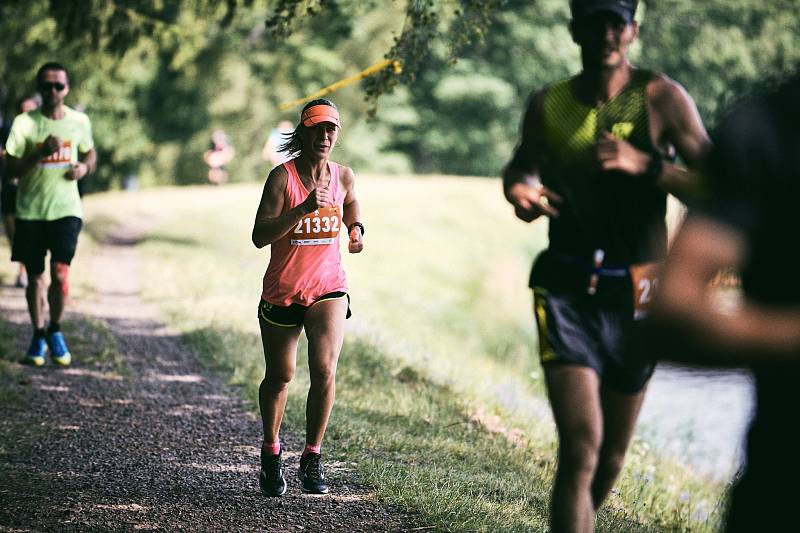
{"type": "Point", "coordinates": [157, 77]}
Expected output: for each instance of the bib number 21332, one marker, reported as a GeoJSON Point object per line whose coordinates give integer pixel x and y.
{"type": "Point", "coordinates": [320, 227]}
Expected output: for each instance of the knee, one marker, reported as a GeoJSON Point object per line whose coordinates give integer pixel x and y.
{"type": "Point", "coordinates": [60, 274]}
{"type": "Point", "coordinates": [36, 284]}
{"type": "Point", "coordinates": [578, 452]}
{"type": "Point", "coordinates": [323, 374]}
{"type": "Point", "coordinates": [610, 463]}
{"type": "Point", "coordinates": [277, 381]}
{"type": "Point", "coordinates": [37, 281]}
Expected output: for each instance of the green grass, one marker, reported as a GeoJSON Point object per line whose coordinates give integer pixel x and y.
{"type": "Point", "coordinates": [439, 394]}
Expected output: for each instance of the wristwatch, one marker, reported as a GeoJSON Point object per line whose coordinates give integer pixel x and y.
{"type": "Point", "coordinates": [358, 225]}
{"type": "Point", "coordinates": [655, 167]}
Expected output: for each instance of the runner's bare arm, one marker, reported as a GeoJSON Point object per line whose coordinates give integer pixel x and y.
{"type": "Point", "coordinates": [689, 318]}
{"type": "Point", "coordinates": [90, 160]}
{"type": "Point", "coordinates": [270, 225]}
{"type": "Point", "coordinates": [677, 124]}
{"type": "Point", "coordinates": [19, 167]}
{"type": "Point", "coordinates": [352, 211]}
{"type": "Point", "coordinates": [521, 184]}
{"type": "Point", "coordinates": [682, 128]}
{"type": "Point", "coordinates": [85, 166]}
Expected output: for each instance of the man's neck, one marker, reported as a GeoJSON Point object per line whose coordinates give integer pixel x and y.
{"type": "Point", "coordinates": [53, 113]}
{"type": "Point", "coordinates": [598, 86]}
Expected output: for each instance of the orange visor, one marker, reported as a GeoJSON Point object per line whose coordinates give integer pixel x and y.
{"type": "Point", "coordinates": [316, 114]}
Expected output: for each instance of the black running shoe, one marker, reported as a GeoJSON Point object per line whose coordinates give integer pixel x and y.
{"type": "Point", "coordinates": [271, 478]}
{"type": "Point", "coordinates": [311, 474]}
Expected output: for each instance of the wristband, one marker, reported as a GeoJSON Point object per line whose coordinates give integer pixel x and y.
{"type": "Point", "coordinates": [655, 167]}
{"type": "Point", "coordinates": [358, 225]}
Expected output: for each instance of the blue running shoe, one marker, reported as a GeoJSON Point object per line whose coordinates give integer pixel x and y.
{"type": "Point", "coordinates": [58, 349]}
{"type": "Point", "coordinates": [36, 352]}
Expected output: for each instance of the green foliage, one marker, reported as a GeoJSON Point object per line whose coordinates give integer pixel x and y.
{"type": "Point", "coordinates": [157, 77]}
{"type": "Point", "coordinates": [721, 49]}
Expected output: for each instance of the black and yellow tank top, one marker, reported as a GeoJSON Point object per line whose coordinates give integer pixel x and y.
{"type": "Point", "coordinates": [622, 214]}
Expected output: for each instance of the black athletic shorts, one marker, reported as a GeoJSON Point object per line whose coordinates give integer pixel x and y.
{"type": "Point", "coordinates": [33, 239]}
{"type": "Point", "coordinates": [8, 198]}
{"type": "Point", "coordinates": [294, 314]}
{"type": "Point", "coordinates": [597, 331]}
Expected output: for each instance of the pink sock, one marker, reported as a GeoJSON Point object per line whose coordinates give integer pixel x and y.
{"type": "Point", "coordinates": [272, 448]}
{"type": "Point", "coordinates": [310, 448]}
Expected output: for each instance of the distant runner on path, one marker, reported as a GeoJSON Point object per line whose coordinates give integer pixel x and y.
{"type": "Point", "coordinates": [9, 185]}
{"type": "Point", "coordinates": [49, 149]}
{"type": "Point", "coordinates": [595, 157]}
{"type": "Point", "coordinates": [305, 203]}
{"type": "Point", "coordinates": [755, 183]}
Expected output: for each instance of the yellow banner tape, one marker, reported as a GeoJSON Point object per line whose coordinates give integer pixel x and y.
{"type": "Point", "coordinates": [397, 68]}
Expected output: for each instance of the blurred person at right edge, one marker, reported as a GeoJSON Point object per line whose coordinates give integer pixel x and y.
{"type": "Point", "coordinates": [748, 223]}
{"type": "Point", "coordinates": [595, 157]}
{"type": "Point", "coordinates": [10, 184]}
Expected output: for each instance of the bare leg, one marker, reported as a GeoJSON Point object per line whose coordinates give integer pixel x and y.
{"type": "Point", "coordinates": [620, 412]}
{"type": "Point", "coordinates": [325, 331]}
{"type": "Point", "coordinates": [10, 226]}
{"type": "Point", "coordinates": [574, 393]}
{"type": "Point", "coordinates": [280, 350]}
{"type": "Point", "coordinates": [58, 290]}
{"type": "Point", "coordinates": [35, 295]}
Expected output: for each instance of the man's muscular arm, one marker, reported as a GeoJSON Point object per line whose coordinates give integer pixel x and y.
{"type": "Point", "coordinates": [521, 184]}
{"type": "Point", "coordinates": [690, 325]}
{"type": "Point", "coordinates": [678, 124]}
{"type": "Point", "coordinates": [682, 128]}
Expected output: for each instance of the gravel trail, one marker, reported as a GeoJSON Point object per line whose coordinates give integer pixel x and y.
{"type": "Point", "coordinates": [162, 446]}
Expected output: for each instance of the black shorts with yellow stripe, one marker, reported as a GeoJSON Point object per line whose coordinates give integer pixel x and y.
{"type": "Point", "coordinates": [574, 329]}
{"type": "Point", "coordinates": [294, 314]}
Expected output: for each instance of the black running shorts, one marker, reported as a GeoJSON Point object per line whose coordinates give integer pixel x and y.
{"type": "Point", "coordinates": [8, 198]}
{"type": "Point", "coordinates": [574, 329]}
{"type": "Point", "coordinates": [33, 239]}
{"type": "Point", "coordinates": [294, 314]}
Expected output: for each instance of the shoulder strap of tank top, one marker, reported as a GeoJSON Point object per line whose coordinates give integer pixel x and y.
{"type": "Point", "coordinates": [640, 79]}
{"type": "Point", "coordinates": [294, 181]}
{"type": "Point", "coordinates": [333, 169]}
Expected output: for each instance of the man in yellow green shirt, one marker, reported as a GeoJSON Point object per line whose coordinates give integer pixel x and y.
{"type": "Point", "coordinates": [49, 149]}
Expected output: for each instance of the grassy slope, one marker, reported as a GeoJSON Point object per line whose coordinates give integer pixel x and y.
{"type": "Point", "coordinates": [439, 395]}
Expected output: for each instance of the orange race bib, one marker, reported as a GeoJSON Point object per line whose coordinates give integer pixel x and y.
{"type": "Point", "coordinates": [60, 158]}
{"type": "Point", "coordinates": [644, 277]}
{"type": "Point", "coordinates": [320, 227]}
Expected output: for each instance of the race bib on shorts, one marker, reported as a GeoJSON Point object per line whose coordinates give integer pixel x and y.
{"type": "Point", "coordinates": [60, 158]}
{"type": "Point", "coordinates": [320, 227]}
{"type": "Point", "coordinates": [645, 281]}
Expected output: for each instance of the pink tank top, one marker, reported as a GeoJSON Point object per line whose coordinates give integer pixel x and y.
{"type": "Point", "coordinates": [306, 263]}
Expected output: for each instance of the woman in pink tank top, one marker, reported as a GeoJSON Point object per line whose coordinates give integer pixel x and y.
{"type": "Point", "coordinates": [305, 203]}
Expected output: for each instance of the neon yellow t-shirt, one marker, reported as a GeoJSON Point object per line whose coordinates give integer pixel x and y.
{"type": "Point", "coordinates": [44, 192]}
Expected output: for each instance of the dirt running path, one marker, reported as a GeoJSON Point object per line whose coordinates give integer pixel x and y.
{"type": "Point", "coordinates": [162, 446]}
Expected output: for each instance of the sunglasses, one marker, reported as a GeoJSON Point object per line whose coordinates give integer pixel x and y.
{"type": "Point", "coordinates": [48, 86]}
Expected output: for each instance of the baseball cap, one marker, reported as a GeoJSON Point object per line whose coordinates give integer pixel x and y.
{"type": "Point", "coordinates": [624, 8]}
{"type": "Point", "coordinates": [320, 112]}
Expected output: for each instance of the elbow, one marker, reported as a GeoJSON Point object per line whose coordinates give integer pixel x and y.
{"type": "Point", "coordinates": [258, 242]}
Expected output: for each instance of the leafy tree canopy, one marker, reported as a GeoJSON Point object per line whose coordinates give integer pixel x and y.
{"type": "Point", "coordinates": [157, 77]}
